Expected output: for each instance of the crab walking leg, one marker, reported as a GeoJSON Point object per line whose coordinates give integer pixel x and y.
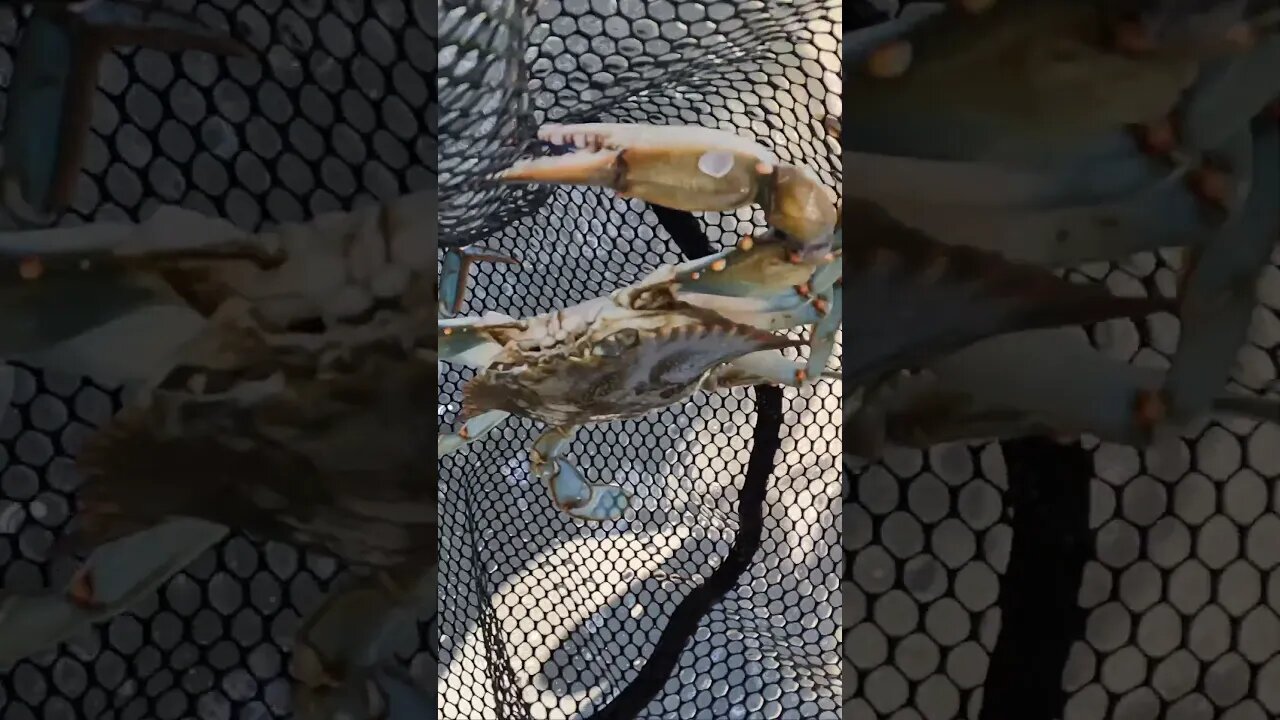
{"type": "Point", "coordinates": [1226, 29]}
{"type": "Point", "coordinates": [822, 341]}
{"type": "Point", "coordinates": [462, 342]}
{"type": "Point", "coordinates": [768, 281]}
{"type": "Point", "coordinates": [807, 313]}
{"type": "Point", "coordinates": [1221, 292]}
{"type": "Point", "coordinates": [1169, 215]}
{"type": "Point", "coordinates": [1034, 382]}
{"type": "Point", "coordinates": [467, 341]}
{"type": "Point", "coordinates": [828, 281]}
{"type": "Point", "coordinates": [472, 430]}
{"type": "Point", "coordinates": [1049, 380]}
{"type": "Point", "coordinates": [344, 655]}
{"type": "Point", "coordinates": [455, 275]}
{"type": "Point", "coordinates": [822, 312]}
{"type": "Point", "coordinates": [764, 367]}
{"type": "Point", "coordinates": [570, 491]}
{"type": "Point", "coordinates": [114, 578]}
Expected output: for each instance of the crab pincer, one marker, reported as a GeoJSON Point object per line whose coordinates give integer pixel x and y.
{"type": "Point", "coordinates": [694, 169]}
{"type": "Point", "coordinates": [55, 76]}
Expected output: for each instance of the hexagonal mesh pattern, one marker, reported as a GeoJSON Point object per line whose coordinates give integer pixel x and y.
{"type": "Point", "coordinates": [334, 115]}
{"type": "Point", "coordinates": [1179, 600]}
{"type": "Point", "coordinates": [544, 617]}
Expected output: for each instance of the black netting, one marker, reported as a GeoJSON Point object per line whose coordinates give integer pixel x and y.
{"type": "Point", "coordinates": [333, 115]}
{"type": "Point", "coordinates": [542, 617]}
{"type": "Point", "coordinates": [1156, 569]}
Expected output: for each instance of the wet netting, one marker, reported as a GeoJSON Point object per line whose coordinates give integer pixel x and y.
{"type": "Point", "coordinates": [1034, 580]}
{"type": "Point", "coordinates": [332, 115]}
{"type": "Point", "coordinates": [717, 595]}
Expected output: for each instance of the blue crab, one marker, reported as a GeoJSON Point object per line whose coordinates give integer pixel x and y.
{"type": "Point", "coordinates": [700, 325]}
{"type": "Point", "coordinates": [285, 376]}
{"type": "Point", "coordinates": [711, 323]}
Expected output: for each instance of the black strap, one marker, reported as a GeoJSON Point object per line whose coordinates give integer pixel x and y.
{"type": "Point", "coordinates": [1040, 618]}
{"type": "Point", "coordinates": [684, 621]}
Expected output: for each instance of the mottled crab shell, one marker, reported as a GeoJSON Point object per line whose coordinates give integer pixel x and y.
{"type": "Point", "coordinates": [619, 366]}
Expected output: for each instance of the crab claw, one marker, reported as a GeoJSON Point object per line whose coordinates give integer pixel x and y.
{"type": "Point", "coordinates": [694, 169]}
{"type": "Point", "coordinates": [115, 577]}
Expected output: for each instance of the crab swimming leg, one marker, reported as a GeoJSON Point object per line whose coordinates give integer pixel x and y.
{"type": "Point", "coordinates": [113, 578]}
{"type": "Point", "coordinates": [55, 76]}
{"type": "Point", "coordinates": [569, 489]}
{"type": "Point", "coordinates": [343, 657]}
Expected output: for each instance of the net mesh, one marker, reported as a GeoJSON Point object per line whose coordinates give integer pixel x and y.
{"type": "Point", "coordinates": [1179, 595]}
{"type": "Point", "coordinates": [332, 116]}
{"type": "Point", "coordinates": [541, 617]}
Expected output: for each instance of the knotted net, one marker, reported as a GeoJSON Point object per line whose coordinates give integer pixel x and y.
{"type": "Point", "coordinates": [544, 617]}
